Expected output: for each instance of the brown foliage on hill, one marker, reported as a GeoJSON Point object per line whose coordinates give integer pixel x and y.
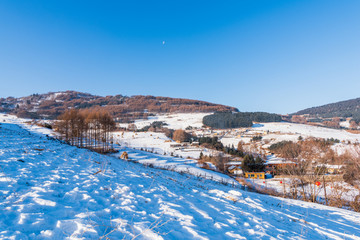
{"type": "Point", "coordinates": [181, 136]}
{"type": "Point", "coordinates": [298, 119]}
{"type": "Point", "coordinates": [220, 162]}
{"type": "Point", "coordinates": [334, 123]}
{"type": "Point", "coordinates": [122, 108]}
{"type": "Point", "coordinates": [309, 149]}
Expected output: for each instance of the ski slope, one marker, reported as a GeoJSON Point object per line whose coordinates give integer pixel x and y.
{"type": "Point", "coordinates": [49, 190]}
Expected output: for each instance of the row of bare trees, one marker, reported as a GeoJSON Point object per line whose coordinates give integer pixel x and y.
{"type": "Point", "coordinates": [307, 185]}
{"type": "Point", "coordinates": [87, 128]}
{"type": "Point", "coordinates": [307, 178]}
{"type": "Point", "coordinates": [304, 179]}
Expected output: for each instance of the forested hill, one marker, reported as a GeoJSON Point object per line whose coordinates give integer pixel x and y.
{"type": "Point", "coordinates": [124, 108]}
{"type": "Point", "coordinates": [348, 108]}
{"type": "Point", "coordinates": [223, 120]}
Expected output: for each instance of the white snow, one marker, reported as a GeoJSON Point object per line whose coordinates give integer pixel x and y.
{"type": "Point", "coordinates": [347, 148]}
{"type": "Point", "coordinates": [309, 131]}
{"type": "Point", "coordinates": [159, 143]}
{"type": "Point", "coordinates": [345, 124]}
{"type": "Point", "coordinates": [55, 194]}
{"type": "Point", "coordinates": [53, 96]}
{"type": "Point", "coordinates": [174, 121]}
{"type": "Point", "coordinates": [284, 131]}
{"type": "Point", "coordinates": [176, 164]}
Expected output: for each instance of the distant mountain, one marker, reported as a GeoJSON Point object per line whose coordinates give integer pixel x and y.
{"type": "Point", "coordinates": [123, 108]}
{"type": "Point", "coordinates": [348, 108]}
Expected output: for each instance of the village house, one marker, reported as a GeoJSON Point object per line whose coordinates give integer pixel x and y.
{"type": "Point", "coordinates": [332, 169]}
{"type": "Point", "coordinates": [235, 170]}
{"type": "Point", "coordinates": [234, 167]}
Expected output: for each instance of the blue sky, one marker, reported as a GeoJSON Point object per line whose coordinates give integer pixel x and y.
{"type": "Point", "coordinates": [276, 56]}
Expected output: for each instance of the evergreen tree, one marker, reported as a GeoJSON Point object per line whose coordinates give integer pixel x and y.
{"type": "Point", "coordinates": [250, 164]}
{"type": "Point", "coordinates": [259, 165]}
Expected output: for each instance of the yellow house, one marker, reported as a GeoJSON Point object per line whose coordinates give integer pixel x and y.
{"type": "Point", "coordinates": [255, 175]}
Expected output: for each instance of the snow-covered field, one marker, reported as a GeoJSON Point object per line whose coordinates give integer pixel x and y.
{"type": "Point", "coordinates": [174, 121]}
{"type": "Point", "coordinates": [309, 131]}
{"type": "Point", "coordinates": [49, 190]}
{"type": "Point", "coordinates": [284, 131]}
{"type": "Point", "coordinates": [275, 132]}
{"type": "Point", "coordinates": [167, 156]}
{"type": "Point", "coordinates": [176, 164]}
{"type": "Point", "coordinates": [157, 142]}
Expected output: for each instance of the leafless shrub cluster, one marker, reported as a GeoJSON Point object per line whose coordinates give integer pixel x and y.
{"type": "Point", "coordinates": [220, 162]}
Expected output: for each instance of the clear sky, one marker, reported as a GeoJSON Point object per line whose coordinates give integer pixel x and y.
{"type": "Point", "coordinates": [271, 55]}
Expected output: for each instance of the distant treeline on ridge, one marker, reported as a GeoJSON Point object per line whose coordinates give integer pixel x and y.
{"type": "Point", "coordinates": [235, 120]}
{"type": "Point", "coordinates": [122, 108]}
{"type": "Point", "coordinates": [348, 108]}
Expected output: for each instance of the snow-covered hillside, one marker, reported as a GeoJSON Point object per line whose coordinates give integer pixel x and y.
{"type": "Point", "coordinates": [157, 142]}
{"type": "Point", "coordinates": [50, 190]}
{"type": "Point", "coordinates": [173, 121]}
{"type": "Point", "coordinates": [309, 131]}
{"type": "Point", "coordinates": [280, 131]}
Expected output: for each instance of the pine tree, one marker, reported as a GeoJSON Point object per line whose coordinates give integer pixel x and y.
{"type": "Point", "coordinates": [248, 163]}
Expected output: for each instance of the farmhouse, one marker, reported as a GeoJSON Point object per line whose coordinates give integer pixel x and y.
{"type": "Point", "coordinates": [235, 170]}
{"type": "Point", "coordinates": [332, 169]}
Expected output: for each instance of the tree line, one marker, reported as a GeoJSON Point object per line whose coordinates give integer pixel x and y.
{"type": "Point", "coordinates": [348, 108]}
{"type": "Point", "coordinates": [122, 108]}
{"type": "Point", "coordinates": [87, 128]}
{"type": "Point", "coordinates": [222, 120]}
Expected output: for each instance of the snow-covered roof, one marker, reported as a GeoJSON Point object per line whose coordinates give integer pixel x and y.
{"type": "Point", "coordinates": [233, 163]}
{"type": "Point", "coordinates": [279, 162]}
{"type": "Point", "coordinates": [232, 167]}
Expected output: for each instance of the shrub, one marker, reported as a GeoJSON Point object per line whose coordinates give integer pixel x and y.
{"type": "Point", "coordinates": [181, 135]}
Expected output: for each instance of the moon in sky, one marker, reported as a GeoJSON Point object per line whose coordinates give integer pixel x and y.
{"type": "Point", "coordinates": [163, 42]}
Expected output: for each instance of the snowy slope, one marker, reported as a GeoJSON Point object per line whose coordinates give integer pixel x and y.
{"type": "Point", "coordinates": [309, 131]}
{"type": "Point", "coordinates": [284, 131]}
{"type": "Point", "coordinates": [176, 164]}
{"type": "Point", "coordinates": [49, 190]}
{"type": "Point", "coordinates": [157, 142]}
{"type": "Point", "coordinates": [173, 121]}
